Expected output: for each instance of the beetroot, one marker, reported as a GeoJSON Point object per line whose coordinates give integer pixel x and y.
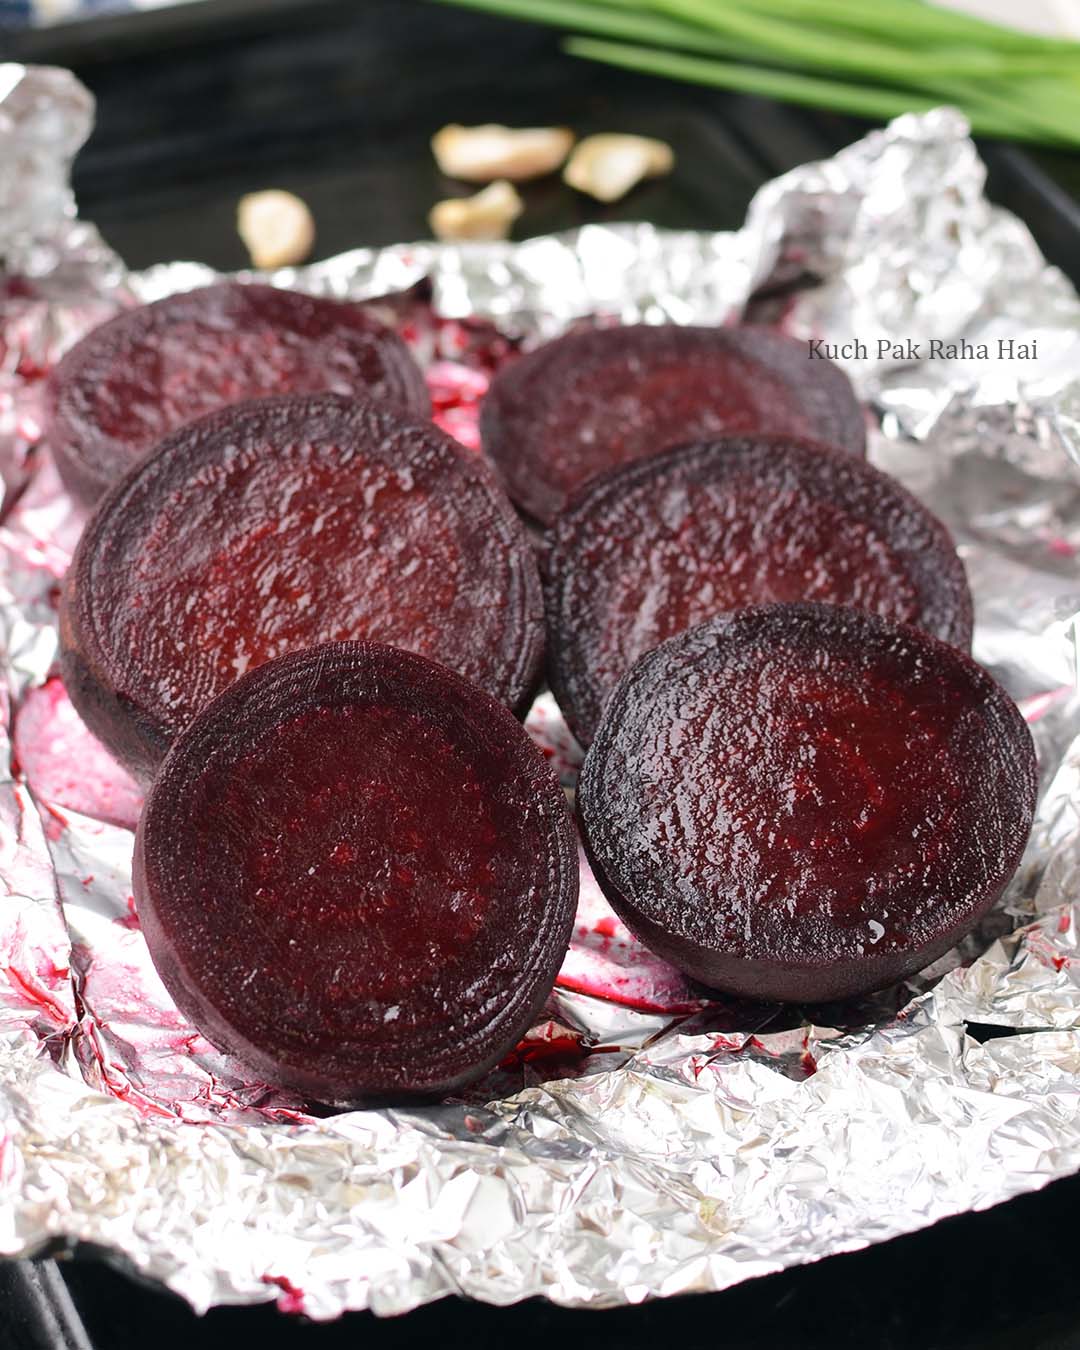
{"type": "Point", "coordinates": [149, 370]}
{"type": "Point", "coordinates": [277, 524]}
{"type": "Point", "coordinates": [595, 399]}
{"type": "Point", "coordinates": [806, 802]}
{"type": "Point", "coordinates": [356, 873]}
{"type": "Point", "coordinates": [653, 548]}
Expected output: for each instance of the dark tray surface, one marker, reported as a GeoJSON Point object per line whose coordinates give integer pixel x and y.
{"type": "Point", "coordinates": [337, 100]}
{"type": "Point", "coordinates": [1001, 1280]}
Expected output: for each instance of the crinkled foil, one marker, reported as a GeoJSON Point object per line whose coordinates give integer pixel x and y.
{"type": "Point", "coordinates": [642, 1141]}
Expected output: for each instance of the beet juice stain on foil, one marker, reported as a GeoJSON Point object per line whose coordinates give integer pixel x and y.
{"type": "Point", "coordinates": [688, 1144]}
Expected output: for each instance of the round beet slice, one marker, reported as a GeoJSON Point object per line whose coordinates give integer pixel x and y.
{"type": "Point", "coordinates": [806, 802]}
{"type": "Point", "coordinates": [149, 370]}
{"type": "Point", "coordinates": [278, 524]}
{"type": "Point", "coordinates": [356, 873]}
{"type": "Point", "coordinates": [653, 548]}
{"type": "Point", "coordinates": [592, 400]}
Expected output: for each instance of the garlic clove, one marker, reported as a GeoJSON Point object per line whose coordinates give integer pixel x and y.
{"type": "Point", "coordinates": [608, 165]}
{"type": "Point", "coordinates": [276, 227]}
{"type": "Point", "coordinates": [482, 154]}
{"type": "Point", "coordinates": [487, 215]}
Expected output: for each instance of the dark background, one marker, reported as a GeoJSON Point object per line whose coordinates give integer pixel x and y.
{"type": "Point", "coordinates": [337, 101]}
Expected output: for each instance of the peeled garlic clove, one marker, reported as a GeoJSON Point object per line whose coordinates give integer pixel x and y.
{"type": "Point", "coordinates": [277, 228]}
{"type": "Point", "coordinates": [481, 154]}
{"type": "Point", "coordinates": [487, 215]}
{"type": "Point", "coordinates": [609, 165]}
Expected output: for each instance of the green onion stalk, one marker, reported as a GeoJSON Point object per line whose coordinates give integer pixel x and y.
{"type": "Point", "coordinates": [869, 58]}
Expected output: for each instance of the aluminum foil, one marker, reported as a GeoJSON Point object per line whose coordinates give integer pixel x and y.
{"type": "Point", "coordinates": [643, 1141]}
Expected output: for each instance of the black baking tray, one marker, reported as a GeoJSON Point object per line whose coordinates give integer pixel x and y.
{"type": "Point", "coordinates": [337, 101]}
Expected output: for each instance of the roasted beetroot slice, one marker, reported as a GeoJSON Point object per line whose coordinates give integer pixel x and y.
{"type": "Point", "coordinates": [806, 802]}
{"type": "Point", "coordinates": [356, 873]}
{"type": "Point", "coordinates": [592, 400]}
{"type": "Point", "coordinates": [654, 548]}
{"type": "Point", "coordinates": [278, 524]}
{"type": "Point", "coordinates": [141, 375]}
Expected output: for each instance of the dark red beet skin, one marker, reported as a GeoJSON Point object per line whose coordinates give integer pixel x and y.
{"type": "Point", "coordinates": [805, 802]}
{"type": "Point", "coordinates": [278, 524]}
{"type": "Point", "coordinates": [356, 873]}
{"type": "Point", "coordinates": [593, 400]}
{"type": "Point", "coordinates": [149, 370]}
{"type": "Point", "coordinates": [653, 548]}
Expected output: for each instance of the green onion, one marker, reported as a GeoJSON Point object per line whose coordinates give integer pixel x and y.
{"type": "Point", "coordinates": [814, 91]}
{"type": "Point", "coordinates": [911, 22]}
{"type": "Point", "coordinates": [600, 17]}
{"type": "Point", "coordinates": [808, 44]}
{"type": "Point", "coordinates": [872, 58]}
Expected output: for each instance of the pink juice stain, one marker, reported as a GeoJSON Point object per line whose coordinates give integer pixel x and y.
{"type": "Point", "coordinates": [291, 1297]}
{"type": "Point", "coordinates": [45, 523]}
{"type": "Point", "coordinates": [460, 357]}
{"type": "Point", "coordinates": [607, 961]}
{"type": "Point", "coordinates": [66, 767]}
{"type": "Point", "coordinates": [39, 985]}
{"type": "Point", "coordinates": [1036, 707]}
{"type": "Point", "coordinates": [34, 966]}
{"type": "Point", "coordinates": [456, 392]}
{"type": "Point", "coordinates": [604, 959]}
{"type": "Point", "coordinates": [135, 1045]}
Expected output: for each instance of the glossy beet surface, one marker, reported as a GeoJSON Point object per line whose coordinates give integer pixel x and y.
{"type": "Point", "coordinates": [806, 803]}
{"type": "Point", "coordinates": [592, 400]}
{"type": "Point", "coordinates": [651, 549]}
{"type": "Point", "coordinates": [357, 873]}
{"type": "Point", "coordinates": [278, 524]}
{"type": "Point", "coordinates": [149, 370]}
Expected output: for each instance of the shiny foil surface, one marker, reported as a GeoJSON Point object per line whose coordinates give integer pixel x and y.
{"type": "Point", "coordinates": [643, 1141]}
